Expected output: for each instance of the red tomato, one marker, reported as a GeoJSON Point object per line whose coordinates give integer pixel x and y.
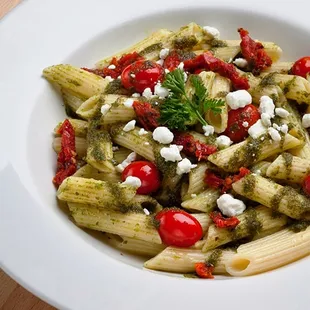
{"type": "Point", "coordinates": [306, 185]}
{"type": "Point", "coordinates": [178, 228]}
{"type": "Point", "coordinates": [235, 129]}
{"type": "Point", "coordinates": [142, 74]}
{"type": "Point", "coordinates": [148, 174]}
{"type": "Point", "coordinates": [301, 67]}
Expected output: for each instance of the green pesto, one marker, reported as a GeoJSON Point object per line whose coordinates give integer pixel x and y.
{"type": "Point", "coordinates": [249, 184]}
{"type": "Point", "coordinates": [151, 48]}
{"type": "Point", "coordinates": [222, 94]}
{"type": "Point", "coordinates": [275, 98]}
{"type": "Point", "coordinates": [246, 155]}
{"type": "Point", "coordinates": [288, 159]}
{"type": "Point", "coordinates": [299, 226]}
{"type": "Point", "coordinates": [250, 227]}
{"type": "Point", "coordinates": [74, 82]}
{"type": "Point", "coordinates": [167, 168]}
{"type": "Point", "coordinates": [288, 85]}
{"type": "Point", "coordinates": [215, 43]}
{"type": "Point", "coordinates": [116, 130]}
{"type": "Point", "coordinates": [297, 204]}
{"type": "Point", "coordinates": [214, 258]}
{"type": "Point", "coordinates": [70, 112]}
{"type": "Point", "coordinates": [190, 276]}
{"type": "Point", "coordinates": [268, 80]}
{"type": "Point", "coordinates": [185, 42]}
{"type": "Point", "coordinates": [115, 87]}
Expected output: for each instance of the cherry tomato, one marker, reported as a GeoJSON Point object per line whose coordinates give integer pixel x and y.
{"type": "Point", "coordinates": [306, 185]}
{"type": "Point", "coordinates": [148, 174]}
{"type": "Point", "coordinates": [178, 228]}
{"type": "Point", "coordinates": [142, 74]}
{"type": "Point", "coordinates": [235, 130]}
{"type": "Point", "coordinates": [301, 67]}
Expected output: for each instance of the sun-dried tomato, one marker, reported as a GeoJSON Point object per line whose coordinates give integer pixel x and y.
{"type": "Point", "coordinates": [208, 62]}
{"type": "Point", "coordinates": [192, 147]}
{"type": "Point", "coordinates": [215, 181]}
{"type": "Point", "coordinates": [254, 53]}
{"type": "Point", "coordinates": [204, 270]}
{"type": "Point", "coordinates": [120, 65]}
{"type": "Point", "coordinates": [223, 222]}
{"type": "Point", "coordinates": [204, 150]}
{"type": "Point", "coordinates": [66, 161]}
{"type": "Point", "coordinates": [175, 57]}
{"type": "Point", "coordinates": [147, 116]}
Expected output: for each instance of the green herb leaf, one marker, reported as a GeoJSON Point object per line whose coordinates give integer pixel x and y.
{"type": "Point", "coordinates": [179, 111]}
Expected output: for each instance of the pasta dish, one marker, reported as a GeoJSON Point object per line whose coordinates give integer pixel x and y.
{"type": "Point", "coordinates": [190, 150]}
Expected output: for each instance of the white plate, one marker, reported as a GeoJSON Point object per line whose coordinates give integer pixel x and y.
{"type": "Point", "coordinates": [39, 246]}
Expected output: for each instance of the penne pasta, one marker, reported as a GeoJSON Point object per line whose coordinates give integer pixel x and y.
{"type": "Point", "coordinates": [283, 199]}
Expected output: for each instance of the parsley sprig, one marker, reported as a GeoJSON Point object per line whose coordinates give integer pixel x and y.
{"type": "Point", "coordinates": [179, 110]}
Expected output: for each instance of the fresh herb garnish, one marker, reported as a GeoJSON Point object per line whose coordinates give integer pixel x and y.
{"type": "Point", "coordinates": [178, 111]}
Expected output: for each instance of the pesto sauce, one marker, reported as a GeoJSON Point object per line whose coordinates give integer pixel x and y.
{"type": "Point", "coordinates": [116, 87]}
{"type": "Point", "coordinates": [299, 226]}
{"type": "Point", "coordinates": [151, 48]}
{"type": "Point", "coordinates": [214, 257]}
{"type": "Point", "coordinates": [268, 80]}
{"type": "Point", "coordinates": [288, 85]}
{"type": "Point", "coordinates": [288, 159]}
{"type": "Point", "coordinates": [185, 42]}
{"type": "Point", "coordinates": [249, 183]}
{"type": "Point", "coordinates": [297, 204]}
{"type": "Point", "coordinates": [215, 43]}
{"type": "Point", "coordinates": [246, 155]}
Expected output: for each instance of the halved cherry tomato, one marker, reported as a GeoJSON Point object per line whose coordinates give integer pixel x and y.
{"type": "Point", "coordinates": [148, 174]}
{"type": "Point", "coordinates": [306, 185]}
{"type": "Point", "coordinates": [235, 130]}
{"type": "Point", "coordinates": [142, 74]}
{"type": "Point", "coordinates": [178, 228]}
{"type": "Point", "coordinates": [301, 67]}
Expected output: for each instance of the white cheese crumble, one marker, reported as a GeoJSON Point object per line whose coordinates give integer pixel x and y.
{"type": "Point", "coordinates": [181, 66]}
{"type": "Point", "coordinates": [142, 132]}
{"type": "Point", "coordinates": [230, 206]}
{"type": "Point", "coordinates": [111, 67]}
{"type": "Point", "coordinates": [109, 78]}
{"type": "Point", "coordinates": [105, 108]}
{"type": "Point", "coordinates": [130, 126]}
{"type": "Point", "coordinates": [257, 129]}
{"type": "Point", "coordinates": [171, 153]}
{"type": "Point", "coordinates": [212, 32]}
{"type": "Point", "coordinates": [146, 211]}
{"type": "Point", "coordinates": [266, 119]}
{"type": "Point", "coordinates": [274, 134]}
{"type": "Point", "coordinates": [240, 62]}
{"type": "Point", "coordinates": [133, 181]}
{"type": "Point", "coordinates": [306, 121]}
{"type": "Point", "coordinates": [267, 106]}
{"type": "Point", "coordinates": [115, 148]}
{"type": "Point", "coordinates": [163, 135]}
{"type": "Point", "coordinates": [193, 195]}
{"type": "Point", "coordinates": [160, 62]}
{"type": "Point", "coordinates": [185, 76]}
{"type": "Point", "coordinates": [284, 128]}
{"type": "Point", "coordinates": [282, 112]}
{"type": "Point", "coordinates": [185, 166]}
{"type": "Point", "coordinates": [146, 143]}
{"type": "Point", "coordinates": [208, 130]}
{"type": "Point", "coordinates": [147, 93]}
{"type": "Point", "coordinates": [223, 141]}
{"type": "Point", "coordinates": [130, 158]}
{"type": "Point", "coordinates": [238, 99]}
{"type": "Point", "coordinates": [132, 75]}
{"type": "Point", "coordinates": [164, 53]}
{"type": "Point", "coordinates": [245, 124]}
{"type": "Point", "coordinates": [276, 126]}
{"type": "Point", "coordinates": [167, 71]}
{"type": "Point", "coordinates": [160, 91]}
{"type": "Point", "coordinates": [135, 95]}
{"type": "Point", "coordinates": [128, 103]}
